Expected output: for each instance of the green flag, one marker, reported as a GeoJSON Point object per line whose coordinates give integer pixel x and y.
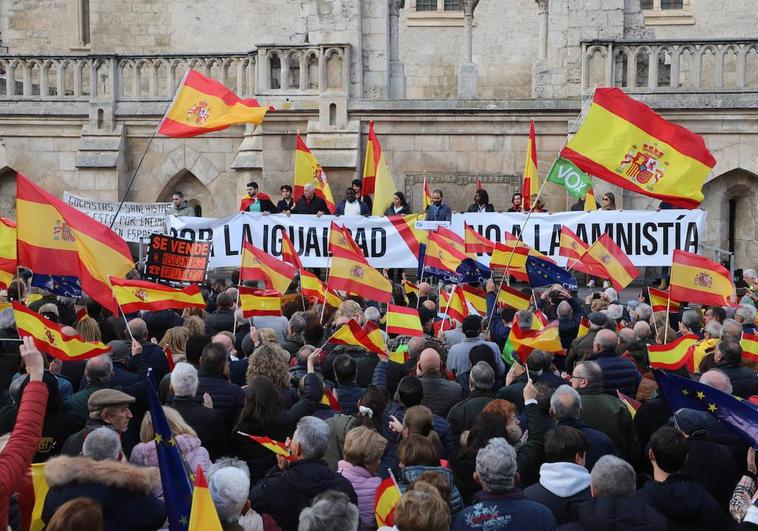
{"type": "Point", "coordinates": [572, 178]}
{"type": "Point", "coordinates": [508, 351]}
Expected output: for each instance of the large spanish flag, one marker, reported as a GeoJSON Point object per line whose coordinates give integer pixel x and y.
{"type": "Point", "coordinates": [624, 142]}
{"type": "Point", "coordinates": [443, 254]}
{"type": "Point", "coordinates": [258, 265]}
{"type": "Point", "coordinates": [660, 301]}
{"type": "Point", "coordinates": [402, 320]}
{"type": "Point", "coordinates": [56, 239]}
{"type": "Point", "coordinates": [377, 178]}
{"type": "Point", "coordinates": [7, 252]}
{"type": "Point", "coordinates": [385, 500]}
{"type": "Point", "coordinates": [202, 105]}
{"type": "Point", "coordinates": [531, 182]}
{"type": "Point", "coordinates": [614, 261]}
{"type": "Point", "coordinates": [350, 273]}
{"type": "Point", "coordinates": [308, 170]}
{"type": "Point", "coordinates": [340, 240]}
{"type": "Point", "coordinates": [203, 514]}
{"type": "Point", "coordinates": [289, 254]}
{"type": "Point", "coordinates": [260, 302]}
{"type": "Point", "coordinates": [312, 287]}
{"type": "Point", "coordinates": [50, 339]}
{"type": "Point", "coordinates": [475, 242]}
{"type": "Point", "coordinates": [675, 354]}
{"type": "Point", "coordinates": [695, 278]}
{"type": "Point", "coordinates": [136, 295]}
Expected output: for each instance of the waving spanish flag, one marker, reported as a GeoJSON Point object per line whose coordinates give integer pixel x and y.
{"type": "Point", "coordinates": [403, 321]}
{"type": "Point", "coordinates": [203, 514]}
{"type": "Point", "coordinates": [385, 500]}
{"type": "Point", "coordinates": [426, 198]}
{"type": "Point", "coordinates": [136, 295]}
{"type": "Point", "coordinates": [475, 242]}
{"type": "Point", "coordinates": [531, 182]}
{"type": "Point", "coordinates": [312, 287]}
{"type": "Point", "coordinates": [675, 354]}
{"type": "Point", "coordinates": [351, 333]}
{"type": "Point", "coordinates": [457, 306]}
{"type": "Point", "coordinates": [660, 301]}
{"type": "Point", "coordinates": [590, 201]}
{"type": "Point", "coordinates": [289, 254]}
{"type": "Point", "coordinates": [695, 278]}
{"type": "Point", "coordinates": [351, 274]}
{"type": "Point", "coordinates": [328, 399]}
{"type": "Point", "coordinates": [260, 302]}
{"type": "Point", "coordinates": [277, 447]}
{"type": "Point", "coordinates": [340, 239]}
{"type": "Point", "coordinates": [202, 105]}
{"type": "Point", "coordinates": [56, 239]}
{"type": "Point", "coordinates": [624, 142]}
{"type": "Point", "coordinates": [259, 265]}
{"type": "Point", "coordinates": [513, 298]}
{"type": "Point", "coordinates": [377, 178]}
{"type": "Point", "coordinates": [50, 339]}
{"type": "Point", "coordinates": [309, 171]}
{"type": "Point", "coordinates": [442, 253]}
{"type": "Point", "coordinates": [7, 252]}
{"type": "Point", "coordinates": [522, 342]}
{"type": "Point", "coordinates": [609, 256]}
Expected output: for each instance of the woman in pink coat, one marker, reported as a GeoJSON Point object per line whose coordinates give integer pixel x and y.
{"type": "Point", "coordinates": [145, 453]}
{"type": "Point", "coordinates": [363, 450]}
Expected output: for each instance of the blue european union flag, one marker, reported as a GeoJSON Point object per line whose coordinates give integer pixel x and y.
{"type": "Point", "coordinates": [177, 486]}
{"type": "Point", "coordinates": [470, 271]}
{"type": "Point", "coordinates": [736, 414]}
{"type": "Point", "coordinates": [65, 286]}
{"type": "Point", "coordinates": [543, 273]}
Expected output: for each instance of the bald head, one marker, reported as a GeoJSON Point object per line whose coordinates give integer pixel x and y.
{"type": "Point", "coordinates": [429, 362]}
{"type": "Point", "coordinates": [606, 340]}
{"type": "Point", "coordinates": [429, 305]}
{"type": "Point", "coordinates": [641, 330]}
{"type": "Point", "coordinates": [138, 329]}
{"type": "Point", "coordinates": [224, 340]}
{"type": "Point", "coordinates": [626, 335]}
{"type": "Point", "coordinates": [424, 289]}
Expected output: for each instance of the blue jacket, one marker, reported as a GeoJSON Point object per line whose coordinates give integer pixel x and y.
{"type": "Point", "coordinates": [227, 397]}
{"type": "Point", "coordinates": [600, 443]}
{"type": "Point", "coordinates": [348, 396]}
{"type": "Point", "coordinates": [340, 210]}
{"type": "Point", "coordinates": [619, 374]}
{"type": "Point", "coordinates": [508, 510]}
{"type": "Point", "coordinates": [441, 213]}
{"type": "Point", "coordinates": [410, 473]}
{"type": "Point", "coordinates": [498, 329]}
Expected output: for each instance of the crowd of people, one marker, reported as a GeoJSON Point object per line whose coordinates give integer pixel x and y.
{"type": "Point", "coordinates": [471, 442]}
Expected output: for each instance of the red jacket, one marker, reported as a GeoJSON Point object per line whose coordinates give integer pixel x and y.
{"type": "Point", "coordinates": [17, 454]}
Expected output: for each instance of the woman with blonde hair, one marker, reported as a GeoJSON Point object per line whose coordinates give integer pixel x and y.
{"type": "Point", "coordinates": [175, 339]}
{"type": "Point", "coordinates": [89, 329]}
{"type": "Point", "coordinates": [268, 360]}
{"type": "Point", "coordinates": [268, 335]}
{"type": "Point", "coordinates": [348, 310]}
{"type": "Point", "coordinates": [362, 453]}
{"type": "Point", "coordinates": [421, 510]}
{"type": "Point", "coordinates": [194, 325]}
{"type": "Point", "coordinates": [146, 453]}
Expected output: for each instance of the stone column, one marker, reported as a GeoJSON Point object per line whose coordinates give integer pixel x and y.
{"type": "Point", "coordinates": [397, 70]}
{"type": "Point", "coordinates": [543, 7]}
{"type": "Point", "coordinates": [467, 72]}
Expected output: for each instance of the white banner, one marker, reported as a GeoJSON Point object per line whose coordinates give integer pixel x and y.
{"type": "Point", "coordinates": [648, 238]}
{"type": "Point", "coordinates": [135, 220]}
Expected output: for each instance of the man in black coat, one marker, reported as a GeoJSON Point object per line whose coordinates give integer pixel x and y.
{"type": "Point", "coordinates": [160, 321]}
{"type": "Point", "coordinates": [289, 487]}
{"type": "Point", "coordinates": [222, 319]}
{"type": "Point", "coordinates": [310, 203]}
{"type": "Point", "coordinates": [728, 358]}
{"type": "Point", "coordinates": [207, 422]}
{"type": "Point", "coordinates": [213, 379]}
{"type": "Point", "coordinates": [152, 355]}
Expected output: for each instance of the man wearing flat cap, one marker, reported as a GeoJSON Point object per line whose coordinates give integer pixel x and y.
{"type": "Point", "coordinates": [107, 407]}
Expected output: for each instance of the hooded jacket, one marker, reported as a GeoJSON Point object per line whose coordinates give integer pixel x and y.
{"type": "Point", "coordinates": [122, 490]}
{"type": "Point", "coordinates": [614, 513]}
{"type": "Point", "coordinates": [561, 486]}
{"type": "Point", "coordinates": [685, 504]}
{"type": "Point", "coordinates": [410, 473]}
{"type": "Point", "coordinates": [146, 454]}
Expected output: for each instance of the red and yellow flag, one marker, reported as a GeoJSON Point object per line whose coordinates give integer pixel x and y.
{"type": "Point", "coordinates": [258, 265]}
{"type": "Point", "coordinates": [203, 514]}
{"type": "Point", "coordinates": [624, 142]}
{"type": "Point", "coordinates": [404, 321]}
{"type": "Point", "coordinates": [455, 241]}
{"type": "Point", "coordinates": [675, 354]}
{"type": "Point", "coordinates": [376, 338]}
{"type": "Point", "coordinates": [56, 239]}
{"type": "Point", "coordinates": [590, 201]}
{"type": "Point", "coordinates": [442, 254]}
{"type": "Point", "coordinates": [501, 257]}
{"type": "Point", "coordinates": [406, 228]}
{"type": "Point", "coordinates": [308, 170]}
{"type": "Point", "coordinates": [475, 242]}
{"type": "Point", "coordinates": [260, 302]}
{"type": "Point", "coordinates": [351, 333]}
{"type": "Point", "coordinates": [385, 500]}
{"type": "Point", "coordinates": [444, 300]}
{"type": "Point", "coordinates": [7, 252]}
{"type": "Point", "coordinates": [50, 339]}
{"type": "Point", "coordinates": [377, 178]}
{"type": "Point", "coordinates": [749, 345]}
{"type": "Point", "coordinates": [135, 295]}
{"type": "Point", "coordinates": [289, 254]}
{"type": "Point", "coordinates": [426, 198]}
{"type": "Point", "coordinates": [584, 326]}
{"type": "Point", "coordinates": [523, 342]}
{"type": "Point", "coordinates": [531, 183]}
{"type": "Point", "coordinates": [659, 300]}
{"type": "Point", "coordinates": [410, 288]}
{"type": "Point", "coordinates": [476, 297]}
{"type": "Point", "coordinates": [457, 307]}
{"type": "Point", "coordinates": [697, 279]}
{"type": "Point", "coordinates": [350, 273]}
{"type": "Point", "coordinates": [277, 447]}
{"type": "Point", "coordinates": [513, 298]}
{"type": "Point", "coordinates": [614, 261]}
{"type": "Point", "coordinates": [202, 105]}
{"type": "Point", "coordinates": [571, 245]}
{"type": "Point", "coordinates": [340, 240]}
{"type": "Point", "coordinates": [328, 399]}
{"type": "Point", "coordinates": [312, 287]}
{"type": "Point", "coordinates": [631, 404]}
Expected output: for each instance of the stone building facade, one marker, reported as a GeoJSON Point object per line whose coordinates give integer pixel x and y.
{"type": "Point", "coordinates": [450, 84]}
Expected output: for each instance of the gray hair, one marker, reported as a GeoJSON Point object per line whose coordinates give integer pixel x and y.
{"type": "Point", "coordinates": [729, 311]}
{"type": "Point", "coordinates": [482, 377]}
{"type": "Point", "coordinates": [590, 370]}
{"type": "Point", "coordinates": [496, 466]}
{"type": "Point", "coordinates": [138, 329]}
{"type": "Point", "coordinates": [7, 319]}
{"type": "Point", "coordinates": [691, 319]}
{"type": "Point", "coordinates": [717, 379]}
{"type": "Point", "coordinates": [312, 434]}
{"type": "Point", "coordinates": [371, 314]}
{"type": "Point", "coordinates": [641, 330]}
{"type": "Point", "coordinates": [297, 323]}
{"type": "Point", "coordinates": [612, 476]}
{"type": "Point", "coordinates": [748, 273]}
{"type": "Point", "coordinates": [101, 444]}
{"type": "Point", "coordinates": [184, 380]}
{"type": "Point", "coordinates": [330, 510]}
{"type": "Point", "coordinates": [611, 294]}
{"type": "Point", "coordinates": [615, 311]}
{"type": "Point", "coordinates": [303, 353]}
{"type": "Point", "coordinates": [309, 186]}
{"type": "Point", "coordinates": [606, 339]}
{"type": "Point", "coordinates": [746, 313]}
{"type": "Point", "coordinates": [99, 369]}
{"type": "Point", "coordinates": [415, 346]}
{"type": "Point", "coordinates": [524, 318]}
{"type": "Point", "coordinates": [713, 328]}
{"type": "Point", "coordinates": [564, 309]}
{"type": "Point", "coordinates": [643, 312]}
{"type": "Point", "coordinates": [226, 462]}
{"type": "Point", "coordinates": [229, 487]}
{"type": "Point", "coordinates": [565, 403]}
{"type": "Point", "coordinates": [731, 328]}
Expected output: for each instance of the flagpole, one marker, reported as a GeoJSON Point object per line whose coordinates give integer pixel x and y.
{"type": "Point", "coordinates": [655, 325]}
{"type": "Point", "coordinates": [326, 290]}
{"type": "Point", "coordinates": [125, 320]}
{"type": "Point", "coordinates": [666, 330]}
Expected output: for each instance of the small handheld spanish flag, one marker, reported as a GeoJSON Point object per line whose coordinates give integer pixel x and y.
{"type": "Point", "coordinates": [136, 295]}
{"type": "Point", "coordinates": [660, 301]}
{"type": "Point", "coordinates": [277, 447]}
{"type": "Point", "coordinates": [203, 514]}
{"type": "Point", "coordinates": [749, 345]}
{"type": "Point", "coordinates": [402, 320]}
{"type": "Point", "coordinates": [259, 265]}
{"type": "Point", "coordinates": [328, 399]}
{"type": "Point", "coordinates": [386, 499]}
{"type": "Point", "coordinates": [260, 302]}
{"type": "Point", "coordinates": [675, 354]}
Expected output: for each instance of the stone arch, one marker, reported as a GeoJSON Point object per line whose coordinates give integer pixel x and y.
{"type": "Point", "coordinates": [730, 200]}
{"type": "Point", "coordinates": [8, 192]}
{"type": "Point", "coordinates": [195, 192]}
